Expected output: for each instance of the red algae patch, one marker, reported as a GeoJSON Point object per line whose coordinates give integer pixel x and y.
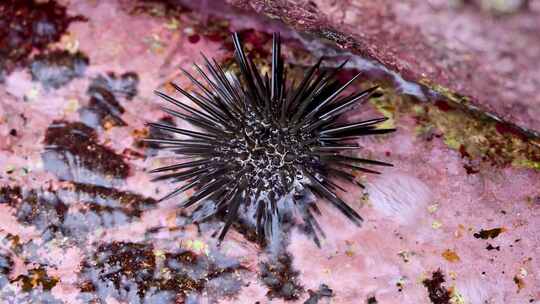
{"type": "Point", "coordinates": [30, 25]}
{"type": "Point", "coordinates": [36, 278]}
{"type": "Point", "coordinates": [72, 153]}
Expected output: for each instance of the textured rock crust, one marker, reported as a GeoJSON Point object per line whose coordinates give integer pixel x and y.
{"type": "Point", "coordinates": [492, 58]}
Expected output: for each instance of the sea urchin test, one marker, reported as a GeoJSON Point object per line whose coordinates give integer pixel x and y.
{"type": "Point", "coordinates": [259, 142]}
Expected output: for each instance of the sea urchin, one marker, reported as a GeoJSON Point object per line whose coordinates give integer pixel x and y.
{"type": "Point", "coordinates": [259, 143]}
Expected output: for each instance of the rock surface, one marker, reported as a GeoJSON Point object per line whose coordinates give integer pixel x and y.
{"type": "Point", "coordinates": [488, 55]}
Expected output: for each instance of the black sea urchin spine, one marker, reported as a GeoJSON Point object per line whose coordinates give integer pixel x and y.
{"type": "Point", "coordinates": [259, 141]}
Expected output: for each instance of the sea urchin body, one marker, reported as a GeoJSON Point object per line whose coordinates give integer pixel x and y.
{"type": "Point", "coordinates": [259, 142]}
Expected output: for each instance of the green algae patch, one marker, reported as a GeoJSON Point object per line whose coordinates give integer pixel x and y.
{"type": "Point", "coordinates": [525, 163]}
{"type": "Point", "coordinates": [452, 143]}
{"type": "Point", "coordinates": [446, 92]}
{"type": "Point", "coordinates": [475, 134]}
{"type": "Point", "coordinates": [388, 110]}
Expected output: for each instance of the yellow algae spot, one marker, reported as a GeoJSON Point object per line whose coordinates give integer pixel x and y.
{"type": "Point", "coordinates": [387, 107]}
{"type": "Point", "coordinates": [483, 137]}
{"type": "Point", "coordinates": [417, 109]}
{"type": "Point", "coordinates": [72, 105]}
{"type": "Point", "coordinates": [197, 246]}
{"type": "Point", "coordinates": [424, 130]}
{"type": "Point", "coordinates": [387, 112]}
{"type": "Point", "coordinates": [265, 69]}
{"type": "Point", "coordinates": [159, 254]}
{"type": "Point", "coordinates": [350, 248]}
{"type": "Point", "coordinates": [155, 44]}
{"type": "Point", "coordinates": [170, 219]}
{"type": "Point", "coordinates": [70, 43]}
{"type": "Point", "coordinates": [140, 133]}
{"type": "Point", "coordinates": [459, 232]}
{"type": "Point", "coordinates": [9, 169]}
{"type": "Point", "coordinates": [172, 24]}
{"type": "Point", "coordinates": [32, 94]}
{"type": "Point", "coordinates": [433, 208]}
{"type": "Point", "coordinates": [436, 224]}
{"type": "Point", "coordinates": [479, 139]}
{"type": "Point", "coordinates": [452, 142]}
{"type": "Point", "coordinates": [108, 124]}
{"type": "Point", "coordinates": [168, 88]}
{"type": "Point", "coordinates": [456, 297]}
{"type": "Point", "coordinates": [364, 200]}
{"type": "Point", "coordinates": [526, 163]}
{"type": "Point", "coordinates": [450, 255]}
